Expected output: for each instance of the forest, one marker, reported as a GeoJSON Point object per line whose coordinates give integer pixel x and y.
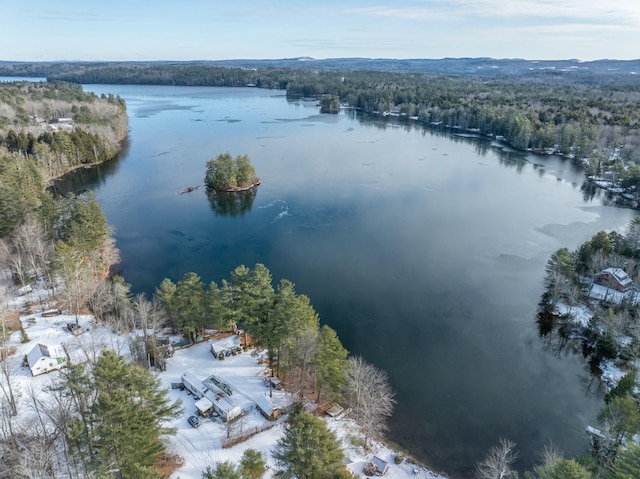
{"type": "Point", "coordinates": [59, 127]}
{"type": "Point", "coordinates": [580, 116]}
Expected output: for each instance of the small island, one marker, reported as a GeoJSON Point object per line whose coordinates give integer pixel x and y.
{"type": "Point", "coordinates": [225, 173]}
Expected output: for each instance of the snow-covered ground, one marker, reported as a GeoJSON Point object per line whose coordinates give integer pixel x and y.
{"type": "Point", "coordinates": [580, 315]}
{"type": "Point", "coordinates": [203, 446]}
{"type": "Point", "coordinates": [198, 447]}
{"type": "Point", "coordinates": [604, 293]}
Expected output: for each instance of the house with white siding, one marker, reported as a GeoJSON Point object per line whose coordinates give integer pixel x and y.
{"type": "Point", "coordinates": [44, 358]}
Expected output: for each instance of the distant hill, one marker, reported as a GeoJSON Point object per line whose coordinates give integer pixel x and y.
{"type": "Point", "coordinates": [491, 67]}
{"type": "Point", "coordinates": [459, 66]}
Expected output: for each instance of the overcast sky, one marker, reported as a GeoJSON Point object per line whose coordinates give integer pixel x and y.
{"type": "Point", "coordinates": [34, 30]}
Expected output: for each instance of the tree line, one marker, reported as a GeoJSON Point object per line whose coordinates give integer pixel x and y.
{"type": "Point", "coordinates": [63, 241]}
{"type": "Point", "coordinates": [576, 116]}
{"type": "Point", "coordinates": [308, 356]}
{"type": "Point", "coordinates": [30, 115]}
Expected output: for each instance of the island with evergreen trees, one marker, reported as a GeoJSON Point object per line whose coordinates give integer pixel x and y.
{"type": "Point", "coordinates": [225, 173]}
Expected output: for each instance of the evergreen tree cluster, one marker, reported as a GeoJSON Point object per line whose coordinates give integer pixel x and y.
{"type": "Point", "coordinates": [225, 173]}
{"type": "Point", "coordinates": [22, 192]}
{"type": "Point", "coordinates": [29, 125]}
{"type": "Point", "coordinates": [115, 414]}
{"type": "Point", "coordinates": [279, 319]}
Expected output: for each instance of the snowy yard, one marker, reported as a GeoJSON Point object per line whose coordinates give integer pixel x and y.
{"type": "Point", "coordinates": [198, 447]}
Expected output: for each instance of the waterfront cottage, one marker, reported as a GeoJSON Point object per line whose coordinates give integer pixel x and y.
{"type": "Point", "coordinates": [210, 397]}
{"type": "Point", "coordinates": [380, 465]}
{"type": "Point", "coordinates": [615, 278]}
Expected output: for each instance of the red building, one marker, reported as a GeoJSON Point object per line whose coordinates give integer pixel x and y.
{"type": "Point", "coordinates": [615, 278]}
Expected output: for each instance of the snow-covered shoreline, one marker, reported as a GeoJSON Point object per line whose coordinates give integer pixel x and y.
{"type": "Point", "coordinates": [198, 447]}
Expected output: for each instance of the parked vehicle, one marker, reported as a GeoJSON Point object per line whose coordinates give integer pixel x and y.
{"type": "Point", "coordinates": [194, 421]}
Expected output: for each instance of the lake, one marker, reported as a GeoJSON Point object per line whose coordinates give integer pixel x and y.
{"type": "Point", "coordinates": [423, 249]}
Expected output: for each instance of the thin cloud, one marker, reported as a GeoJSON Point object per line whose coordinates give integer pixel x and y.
{"type": "Point", "coordinates": [625, 11]}
{"type": "Point", "coordinates": [56, 16]}
{"type": "Point", "coordinates": [573, 29]}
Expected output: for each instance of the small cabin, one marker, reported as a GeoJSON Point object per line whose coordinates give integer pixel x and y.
{"type": "Point", "coordinates": [44, 358]}
{"type": "Point", "coordinates": [335, 411]}
{"type": "Point", "coordinates": [25, 290]}
{"type": "Point", "coordinates": [273, 382]}
{"type": "Point", "coordinates": [267, 408]}
{"type": "Point", "coordinates": [381, 466]}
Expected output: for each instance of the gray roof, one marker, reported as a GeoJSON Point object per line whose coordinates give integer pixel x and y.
{"type": "Point", "coordinates": [380, 464]}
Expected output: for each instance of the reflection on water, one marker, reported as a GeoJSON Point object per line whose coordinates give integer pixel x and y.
{"type": "Point", "coordinates": [90, 177]}
{"type": "Point", "coordinates": [232, 204]}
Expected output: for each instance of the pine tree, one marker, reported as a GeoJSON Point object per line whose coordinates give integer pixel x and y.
{"type": "Point", "coordinates": [188, 303]}
{"type": "Point", "coordinates": [331, 366]}
{"type": "Point", "coordinates": [164, 295]}
{"type": "Point", "coordinates": [308, 450]}
{"type": "Point", "coordinates": [252, 464]}
{"type": "Point", "coordinates": [128, 415]}
{"type": "Point", "coordinates": [562, 469]}
{"type": "Point", "coordinates": [84, 225]}
{"type": "Point", "coordinates": [627, 463]}
{"type": "Point", "coordinates": [224, 470]}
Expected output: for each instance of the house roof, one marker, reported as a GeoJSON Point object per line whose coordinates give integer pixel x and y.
{"type": "Point", "coordinates": [619, 274]}
{"type": "Point", "coordinates": [380, 464]}
{"type": "Point", "coordinates": [51, 351]}
{"type": "Point", "coordinates": [203, 405]}
{"type": "Point", "coordinates": [226, 343]}
{"type": "Point", "coordinates": [222, 403]}
{"type": "Point", "coordinates": [265, 405]}
{"type": "Point", "coordinates": [335, 410]}
{"type": "Point", "coordinates": [195, 382]}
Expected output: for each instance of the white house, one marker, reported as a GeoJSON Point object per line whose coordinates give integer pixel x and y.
{"type": "Point", "coordinates": [46, 357]}
{"type": "Point", "coordinates": [193, 384]}
{"type": "Point", "coordinates": [210, 397]}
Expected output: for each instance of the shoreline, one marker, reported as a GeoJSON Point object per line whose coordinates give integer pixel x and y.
{"type": "Point", "coordinates": [238, 189]}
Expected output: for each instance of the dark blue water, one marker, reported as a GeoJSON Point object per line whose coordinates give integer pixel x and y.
{"type": "Point", "coordinates": [424, 250]}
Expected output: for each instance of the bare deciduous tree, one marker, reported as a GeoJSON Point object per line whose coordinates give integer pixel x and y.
{"type": "Point", "coordinates": [558, 286]}
{"type": "Point", "coordinates": [498, 461]}
{"type": "Point", "coordinates": [77, 278]}
{"type": "Point", "coordinates": [28, 251]}
{"type": "Point", "coordinates": [550, 454]}
{"type": "Point", "coordinates": [6, 360]}
{"type": "Point", "coordinates": [369, 395]}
